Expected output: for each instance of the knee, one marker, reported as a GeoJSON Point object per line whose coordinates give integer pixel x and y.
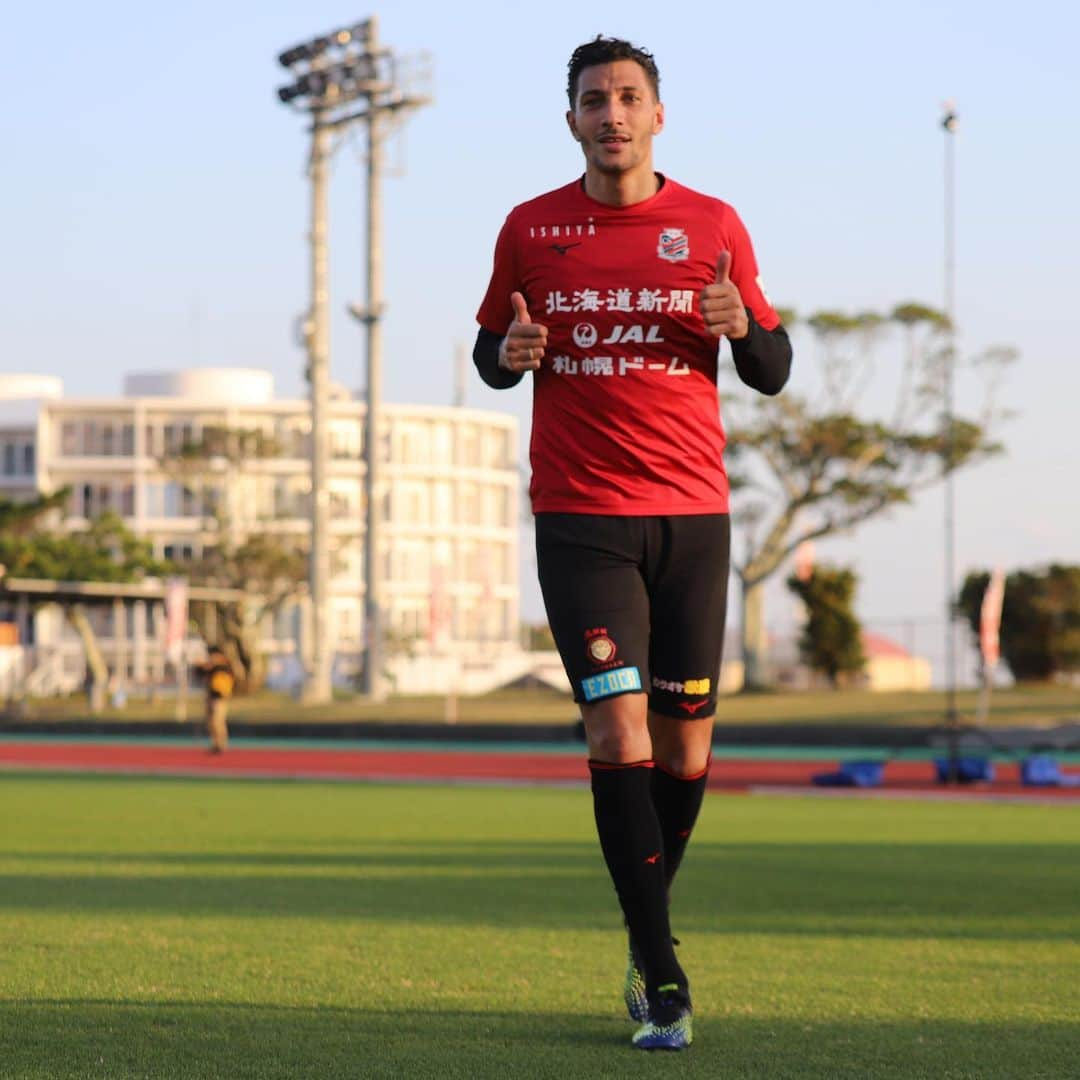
{"type": "Point", "coordinates": [617, 747]}
{"type": "Point", "coordinates": [682, 748]}
{"type": "Point", "coordinates": [682, 761]}
{"type": "Point", "coordinates": [617, 732]}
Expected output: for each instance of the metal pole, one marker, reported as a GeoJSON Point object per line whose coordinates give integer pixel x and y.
{"type": "Point", "coordinates": [336, 75]}
{"type": "Point", "coordinates": [317, 689]}
{"type": "Point", "coordinates": [373, 487]}
{"type": "Point", "coordinates": [951, 713]}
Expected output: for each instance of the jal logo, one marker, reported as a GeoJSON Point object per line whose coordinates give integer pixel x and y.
{"type": "Point", "coordinates": [585, 335]}
{"type": "Point", "coordinates": [674, 245]}
{"type": "Point", "coordinates": [625, 335]}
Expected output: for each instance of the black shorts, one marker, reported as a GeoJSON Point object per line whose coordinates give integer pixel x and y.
{"type": "Point", "coordinates": [637, 605]}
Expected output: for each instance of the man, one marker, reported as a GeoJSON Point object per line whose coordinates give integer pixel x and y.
{"type": "Point", "coordinates": [219, 687]}
{"type": "Point", "coordinates": [614, 291]}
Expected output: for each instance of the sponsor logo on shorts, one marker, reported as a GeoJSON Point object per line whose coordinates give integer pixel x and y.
{"type": "Point", "coordinates": [690, 686]}
{"type": "Point", "coordinates": [609, 683]}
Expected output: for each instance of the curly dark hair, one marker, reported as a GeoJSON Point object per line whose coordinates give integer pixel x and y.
{"type": "Point", "coordinates": [606, 50]}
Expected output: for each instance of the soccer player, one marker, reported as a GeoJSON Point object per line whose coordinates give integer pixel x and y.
{"type": "Point", "coordinates": [614, 291]}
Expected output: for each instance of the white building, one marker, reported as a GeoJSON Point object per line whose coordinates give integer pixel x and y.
{"type": "Point", "coordinates": [452, 512]}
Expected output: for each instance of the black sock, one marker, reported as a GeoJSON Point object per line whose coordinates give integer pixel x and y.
{"type": "Point", "coordinates": [633, 849]}
{"type": "Point", "coordinates": [677, 800]}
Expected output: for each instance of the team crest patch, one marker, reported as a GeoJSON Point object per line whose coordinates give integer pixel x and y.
{"type": "Point", "coordinates": [674, 245]}
{"type": "Point", "coordinates": [599, 647]}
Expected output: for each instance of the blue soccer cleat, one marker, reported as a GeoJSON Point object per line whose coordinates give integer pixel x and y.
{"type": "Point", "coordinates": [670, 1026]}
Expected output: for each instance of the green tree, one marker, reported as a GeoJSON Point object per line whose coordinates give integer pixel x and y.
{"type": "Point", "coordinates": [19, 518]}
{"type": "Point", "coordinates": [106, 551]}
{"type": "Point", "coordinates": [1040, 620]}
{"type": "Point", "coordinates": [268, 569]}
{"type": "Point", "coordinates": [831, 638]}
{"type": "Point", "coordinates": [809, 465]}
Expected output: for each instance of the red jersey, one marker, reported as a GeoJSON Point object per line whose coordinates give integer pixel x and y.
{"type": "Point", "coordinates": [626, 414]}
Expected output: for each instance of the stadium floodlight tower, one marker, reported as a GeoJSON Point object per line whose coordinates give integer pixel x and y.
{"type": "Point", "coordinates": [345, 78]}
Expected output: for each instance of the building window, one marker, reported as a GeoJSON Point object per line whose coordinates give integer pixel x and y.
{"type": "Point", "coordinates": [28, 459]}
{"type": "Point", "coordinates": [469, 451]}
{"type": "Point", "coordinates": [177, 436]}
{"type": "Point", "coordinates": [69, 438]}
{"type": "Point", "coordinates": [9, 459]}
{"type": "Point", "coordinates": [468, 505]}
{"type": "Point", "coordinates": [178, 552]}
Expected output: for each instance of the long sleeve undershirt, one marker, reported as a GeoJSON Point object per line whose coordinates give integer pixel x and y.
{"type": "Point", "coordinates": [762, 359]}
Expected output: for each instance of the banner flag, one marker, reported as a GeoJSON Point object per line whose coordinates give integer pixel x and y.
{"type": "Point", "coordinates": [176, 618]}
{"type": "Point", "coordinates": [990, 620]}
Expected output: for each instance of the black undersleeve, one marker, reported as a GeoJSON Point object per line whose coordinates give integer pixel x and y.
{"type": "Point", "coordinates": [485, 356]}
{"type": "Point", "coordinates": [763, 358]}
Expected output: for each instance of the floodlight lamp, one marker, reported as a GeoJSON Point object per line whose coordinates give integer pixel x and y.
{"type": "Point", "coordinates": [288, 94]}
{"type": "Point", "coordinates": [360, 32]}
{"type": "Point", "coordinates": [293, 55]}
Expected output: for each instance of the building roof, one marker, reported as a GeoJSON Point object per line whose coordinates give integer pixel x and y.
{"type": "Point", "coordinates": [877, 646]}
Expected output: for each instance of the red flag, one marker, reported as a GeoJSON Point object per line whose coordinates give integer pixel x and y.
{"type": "Point", "coordinates": [804, 560]}
{"type": "Point", "coordinates": [990, 619]}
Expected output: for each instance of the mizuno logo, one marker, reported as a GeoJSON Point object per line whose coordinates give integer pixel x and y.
{"type": "Point", "coordinates": [562, 249]}
{"type": "Point", "coordinates": [692, 707]}
{"type": "Point", "coordinates": [652, 860]}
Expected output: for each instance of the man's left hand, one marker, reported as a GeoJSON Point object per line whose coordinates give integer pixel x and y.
{"type": "Point", "coordinates": [722, 305]}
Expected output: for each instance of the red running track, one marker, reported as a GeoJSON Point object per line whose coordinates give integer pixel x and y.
{"type": "Point", "coordinates": [462, 766]}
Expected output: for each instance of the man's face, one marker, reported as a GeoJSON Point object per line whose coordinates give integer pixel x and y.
{"type": "Point", "coordinates": [615, 117]}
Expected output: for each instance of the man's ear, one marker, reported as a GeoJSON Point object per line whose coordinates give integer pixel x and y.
{"type": "Point", "coordinates": [572, 125]}
{"type": "Point", "coordinates": [658, 123]}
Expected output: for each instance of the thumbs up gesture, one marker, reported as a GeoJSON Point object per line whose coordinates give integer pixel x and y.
{"type": "Point", "coordinates": [525, 341]}
{"type": "Point", "coordinates": [721, 304]}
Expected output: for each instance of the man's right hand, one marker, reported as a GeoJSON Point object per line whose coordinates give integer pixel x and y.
{"type": "Point", "coordinates": [525, 341]}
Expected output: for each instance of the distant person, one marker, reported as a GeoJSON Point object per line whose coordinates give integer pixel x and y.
{"type": "Point", "coordinates": [220, 682]}
{"type": "Point", "coordinates": [615, 291]}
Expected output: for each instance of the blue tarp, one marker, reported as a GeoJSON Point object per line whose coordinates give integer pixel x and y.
{"type": "Point", "coordinates": [861, 774]}
{"type": "Point", "coordinates": [1041, 770]}
{"type": "Point", "coordinates": [964, 770]}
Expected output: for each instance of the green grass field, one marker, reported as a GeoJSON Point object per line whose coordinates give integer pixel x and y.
{"type": "Point", "coordinates": [226, 929]}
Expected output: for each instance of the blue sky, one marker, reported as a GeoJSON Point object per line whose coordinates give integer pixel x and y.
{"type": "Point", "coordinates": [155, 203]}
